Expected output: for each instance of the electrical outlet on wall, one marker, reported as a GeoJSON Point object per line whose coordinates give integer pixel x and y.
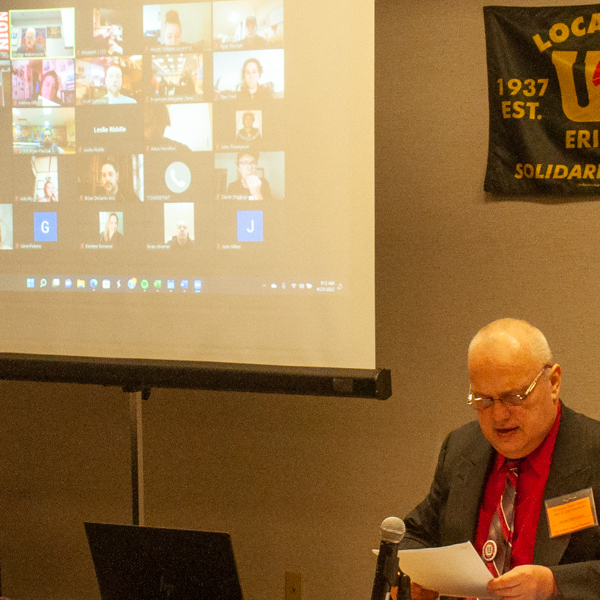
{"type": "Point", "coordinates": [293, 586]}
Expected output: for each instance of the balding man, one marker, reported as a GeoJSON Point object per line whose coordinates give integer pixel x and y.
{"type": "Point", "coordinates": [495, 475]}
{"type": "Point", "coordinates": [183, 240]}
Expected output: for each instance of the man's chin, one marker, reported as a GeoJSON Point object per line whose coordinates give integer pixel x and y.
{"type": "Point", "coordinates": [508, 442]}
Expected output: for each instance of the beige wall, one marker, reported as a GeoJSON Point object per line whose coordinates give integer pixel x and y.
{"type": "Point", "coordinates": [302, 484]}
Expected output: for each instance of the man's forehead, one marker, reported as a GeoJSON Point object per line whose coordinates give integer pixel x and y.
{"type": "Point", "coordinates": [109, 167]}
{"type": "Point", "coordinates": [494, 376]}
{"type": "Point", "coordinates": [501, 348]}
{"type": "Point", "coordinates": [502, 363]}
{"type": "Point", "coordinates": [502, 355]}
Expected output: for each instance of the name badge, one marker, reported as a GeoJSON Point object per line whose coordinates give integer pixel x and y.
{"type": "Point", "coordinates": [571, 512]}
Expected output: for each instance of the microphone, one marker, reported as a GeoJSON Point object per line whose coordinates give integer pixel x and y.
{"type": "Point", "coordinates": [387, 571]}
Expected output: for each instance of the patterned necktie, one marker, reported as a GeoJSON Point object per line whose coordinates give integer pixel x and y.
{"type": "Point", "coordinates": [497, 550]}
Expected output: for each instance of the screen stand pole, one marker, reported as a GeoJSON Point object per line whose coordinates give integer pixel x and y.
{"type": "Point", "coordinates": [137, 455]}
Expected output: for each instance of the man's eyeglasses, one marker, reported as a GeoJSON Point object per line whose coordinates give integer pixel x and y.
{"type": "Point", "coordinates": [508, 399]}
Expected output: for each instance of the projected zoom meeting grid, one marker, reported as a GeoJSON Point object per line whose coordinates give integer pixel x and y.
{"type": "Point", "coordinates": [159, 127]}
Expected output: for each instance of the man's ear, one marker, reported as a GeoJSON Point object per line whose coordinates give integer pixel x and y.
{"type": "Point", "coordinates": [555, 379]}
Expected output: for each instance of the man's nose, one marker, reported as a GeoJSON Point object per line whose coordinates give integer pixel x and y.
{"type": "Point", "coordinates": [500, 411]}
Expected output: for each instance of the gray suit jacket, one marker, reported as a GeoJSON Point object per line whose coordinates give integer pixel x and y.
{"type": "Point", "coordinates": [448, 515]}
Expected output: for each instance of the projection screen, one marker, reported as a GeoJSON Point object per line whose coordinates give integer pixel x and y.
{"type": "Point", "coordinates": [189, 181]}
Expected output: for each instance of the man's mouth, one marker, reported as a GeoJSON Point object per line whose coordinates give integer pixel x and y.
{"type": "Point", "coordinates": [505, 431]}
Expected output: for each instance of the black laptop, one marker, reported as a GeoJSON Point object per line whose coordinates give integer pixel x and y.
{"type": "Point", "coordinates": [148, 563]}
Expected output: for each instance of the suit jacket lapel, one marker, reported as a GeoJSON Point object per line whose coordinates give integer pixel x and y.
{"type": "Point", "coordinates": [466, 492]}
{"type": "Point", "coordinates": [568, 473]}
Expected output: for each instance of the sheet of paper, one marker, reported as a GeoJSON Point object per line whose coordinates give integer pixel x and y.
{"type": "Point", "coordinates": [451, 570]}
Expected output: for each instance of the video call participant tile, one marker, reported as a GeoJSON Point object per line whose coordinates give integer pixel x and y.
{"type": "Point", "coordinates": [250, 175]}
{"type": "Point", "coordinates": [102, 129]}
{"type": "Point", "coordinates": [47, 82]}
{"type": "Point", "coordinates": [254, 33]}
{"type": "Point", "coordinates": [115, 178]}
{"type": "Point", "coordinates": [37, 228]}
{"type": "Point", "coordinates": [237, 129]}
{"type": "Point", "coordinates": [44, 178]}
{"type": "Point", "coordinates": [240, 125]}
{"type": "Point", "coordinates": [43, 33]}
{"type": "Point", "coordinates": [174, 177]}
{"type": "Point", "coordinates": [5, 84]}
{"type": "Point", "coordinates": [248, 231]}
{"type": "Point", "coordinates": [6, 168]}
{"type": "Point", "coordinates": [178, 127]}
{"type": "Point", "coordinates": [109, 80]}
{"type": "Point", "coordinates": [253, 76]}
{"type": "Point", "coordinates": [44, 130]}
{"type": "Point", "coordinates": [170, 229]}
{"type": "Point", "coordinates": [101, 229]}
{"type": "Point", "coordinates": [111, 228]}
{"type": "Point", "coordinates": [237, 226]}
{"type": "Point", "coordinates": [108, 32]}
{"type": "Point", "coordinates": [174, 78]}
{"type": "Point", "coordinates": [6, 227]}
{"type": "Point", "coordinates": [179, 230]}
{"type": "Point", "coordinates": [177, 27]}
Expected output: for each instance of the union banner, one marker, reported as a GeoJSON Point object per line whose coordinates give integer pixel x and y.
{"type": "Point", "coordinates": [544, 97]}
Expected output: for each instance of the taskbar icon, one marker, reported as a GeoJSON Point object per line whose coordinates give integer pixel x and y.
{"type": "Point", "coordinates": [114, 283]}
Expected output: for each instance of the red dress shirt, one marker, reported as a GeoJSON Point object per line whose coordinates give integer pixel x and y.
{"type": "Point", "coordinates": [533, 474]}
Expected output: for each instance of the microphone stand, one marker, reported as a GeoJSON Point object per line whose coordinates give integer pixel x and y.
{"type": "Point", "coordinates": [403, 586]}
{"type": "Point", "coordinates": [388, 575]}
{"type": "Point", "coordinates": [394, 577]}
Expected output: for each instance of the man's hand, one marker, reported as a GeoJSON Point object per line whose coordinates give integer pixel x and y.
{"type": "Point", "coordinates": [526, 582]}
{"type": "Point", "coordinates": [416, 593]}
{"type": "Point", "coordinates": [254, 183]}
{"type": "Point", "coordinates": [420, 593]}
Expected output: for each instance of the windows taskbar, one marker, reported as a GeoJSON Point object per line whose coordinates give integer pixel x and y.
{"type": "Point", "coordinates": [180, 284]}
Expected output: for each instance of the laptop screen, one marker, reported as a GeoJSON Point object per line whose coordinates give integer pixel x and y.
{"type": "Point", "coordinates": [147, 563]}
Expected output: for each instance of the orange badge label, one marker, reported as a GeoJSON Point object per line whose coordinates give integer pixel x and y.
{"type": "Point", "coordinates": [572, 512]}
